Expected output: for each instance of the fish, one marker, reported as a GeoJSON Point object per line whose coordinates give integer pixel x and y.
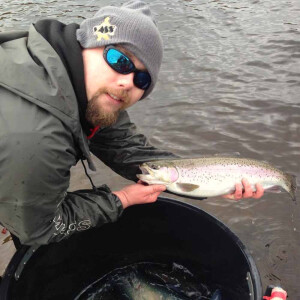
{"type": "Point", "coordinates": [214, 176]}
{"type": "Point", "coordinates": [169, 288]}
{"type": "Point", "coordinates": [148, 292]}
{"type": "Point", "coordinates": [216, 295]}
{"type": "Point", "coordinates": [150, 281]}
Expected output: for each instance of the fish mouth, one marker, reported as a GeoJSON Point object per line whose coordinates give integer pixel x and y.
{"type": "Point", "coordinates": [146, 175]}
{"type": "Point", "coordinates": [145, 170]}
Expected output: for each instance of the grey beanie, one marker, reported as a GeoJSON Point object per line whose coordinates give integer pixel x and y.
{"type": "Point", "coordinates": [131, 26]}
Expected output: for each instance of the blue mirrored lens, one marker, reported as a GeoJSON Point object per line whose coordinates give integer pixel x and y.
{"type": "Point", "coordinates": [142, 80]}
{"type": "Point", "coordinates": [123, 65]}
{"type": "Point", "coordinates": [119, 62]}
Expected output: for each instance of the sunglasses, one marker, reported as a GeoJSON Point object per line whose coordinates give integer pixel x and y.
{"type": "Point", "coordinates": [123, 65]}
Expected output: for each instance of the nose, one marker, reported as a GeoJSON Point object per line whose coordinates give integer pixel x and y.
{"type": "Point", "coordinates": [125, 81]}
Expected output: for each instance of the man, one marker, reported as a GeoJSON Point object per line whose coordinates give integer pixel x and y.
{"type": "Point", "coordinates": [64, 90]}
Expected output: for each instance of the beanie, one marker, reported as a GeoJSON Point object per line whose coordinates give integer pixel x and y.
{"type": "Point", "coordinates": [131, 26]}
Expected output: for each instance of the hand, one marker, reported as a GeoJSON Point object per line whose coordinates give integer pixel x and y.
{"type": "Point", "coordinates": [139, 193]}
{"type": "Point", "coordinates": [244, 190]}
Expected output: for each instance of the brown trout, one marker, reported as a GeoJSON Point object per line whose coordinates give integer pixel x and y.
{"type": "Point", "coordinates": [215, 176]}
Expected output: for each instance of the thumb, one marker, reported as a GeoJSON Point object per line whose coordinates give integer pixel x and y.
{"type": "Point", "coordinates": [158, 188]}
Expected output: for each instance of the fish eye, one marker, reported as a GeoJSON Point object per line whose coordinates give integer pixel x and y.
{"type": "Point", "coordinates": [155, 167]}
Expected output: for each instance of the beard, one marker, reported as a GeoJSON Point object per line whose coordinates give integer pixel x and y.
{"type": "Point", "coordinates": [96, 114]}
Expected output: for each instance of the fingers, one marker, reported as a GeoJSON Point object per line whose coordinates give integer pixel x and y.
{"type": "Point", "coordinates": [248, 193]}
{"type": "Point", "coordinates": [238, 194]}
{"type": "Point", "coordinates": [158, 188]}
{"type": "Point", "coordinates": [154, 192]}
{"type": "Point", "coordinates": [259, 191]}
{"type": "Point", "coordinates": [244, 190]}
{"type": "Point", "coordinates": [139, 193]}
{"type": "Point", "coordinates": [154, 188]}
{"type": "Point", "coordinates": [151, 192]}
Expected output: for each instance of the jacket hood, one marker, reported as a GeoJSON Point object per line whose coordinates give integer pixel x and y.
{"type": "Point", "coordinates": [31, 68]}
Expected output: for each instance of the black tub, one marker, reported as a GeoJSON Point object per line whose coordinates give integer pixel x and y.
{"type": "Point", "coordinates": [167, 231]}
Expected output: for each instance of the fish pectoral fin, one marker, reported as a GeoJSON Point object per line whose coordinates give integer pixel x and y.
{"type": "Point", "coordinates": [187, 187]}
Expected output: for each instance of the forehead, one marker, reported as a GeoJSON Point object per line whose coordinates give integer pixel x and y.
{"type": "Point", "coordinates": [138, 64]}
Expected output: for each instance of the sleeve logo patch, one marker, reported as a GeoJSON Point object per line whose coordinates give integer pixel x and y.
{"type": "Point", "coordinates": [105, 30]}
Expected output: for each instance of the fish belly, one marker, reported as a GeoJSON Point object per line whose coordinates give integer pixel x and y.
{"type": "Point", "coordinates": [205, 190]}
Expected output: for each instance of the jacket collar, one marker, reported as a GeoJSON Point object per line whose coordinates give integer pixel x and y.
{"type": "Point", "coordinates": [63, 40]}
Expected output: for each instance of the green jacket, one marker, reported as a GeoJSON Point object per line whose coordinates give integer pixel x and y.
{"type": "Point", "coordinates": [41, 139]}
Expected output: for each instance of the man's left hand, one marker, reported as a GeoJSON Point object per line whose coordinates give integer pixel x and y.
{"type": "Point", "coordinates": [244, 190]}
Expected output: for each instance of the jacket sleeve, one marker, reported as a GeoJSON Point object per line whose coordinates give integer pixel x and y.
{"type": "Point", "coordinates": [36, 154]}
{"type": "Point", "coordinates": [123, 149]}
{"type": "Point", "coordinates": [84, 209]}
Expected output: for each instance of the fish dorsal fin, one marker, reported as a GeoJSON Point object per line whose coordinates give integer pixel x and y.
{"type": "Point", "coordinates": [187, 187]}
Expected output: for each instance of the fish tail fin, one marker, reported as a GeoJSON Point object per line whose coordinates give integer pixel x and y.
{"type": "Point", "coordinates": [293, 186]}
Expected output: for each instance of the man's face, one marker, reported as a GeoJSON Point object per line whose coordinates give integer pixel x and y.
{"type": "Point", "coordinates": [108, 91]}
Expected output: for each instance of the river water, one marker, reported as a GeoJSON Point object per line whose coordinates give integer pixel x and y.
{"type": "Point", "coordinates": [229, 82]}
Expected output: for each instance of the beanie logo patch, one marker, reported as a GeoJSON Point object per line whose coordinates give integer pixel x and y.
{"type": "Point", "coordinates": [105, 30]}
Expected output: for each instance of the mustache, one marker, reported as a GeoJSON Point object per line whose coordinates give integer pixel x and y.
{"type": "Point", "coordinates": [121, 94]}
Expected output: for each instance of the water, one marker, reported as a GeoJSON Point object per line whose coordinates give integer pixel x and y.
{"type": "Point", "coordinates": [148, 281]}
{"type": "Point", "coordinates": [229, 82]}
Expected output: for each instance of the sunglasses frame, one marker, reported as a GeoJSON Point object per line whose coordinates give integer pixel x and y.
{"type": "Point", "coordinates": [133, 70]}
